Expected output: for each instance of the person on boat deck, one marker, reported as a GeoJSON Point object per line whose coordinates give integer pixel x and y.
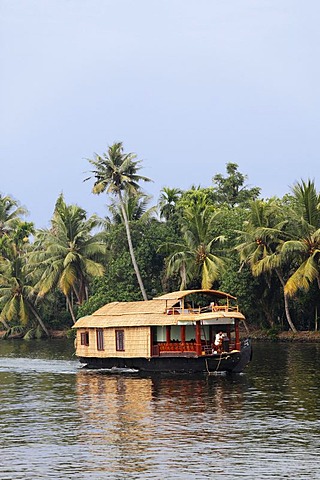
{"type": "Point", "coordinates": [218, 341]}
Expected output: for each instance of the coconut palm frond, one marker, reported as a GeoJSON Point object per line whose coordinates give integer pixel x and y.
{"type": "Point", "coordinates": [23, 311]}
{"type": "Point", "coordinates": [266, 265]}
{"type": "Point", "coordinates": [67, 279]}
{"type": "Point", "coordinates": [307, 201]}
{"type": "Point", "coordinates": [294, 247]}
{"type": "Point", "coordinates": [93, 269]}
{"type": "Point", "coordinates": [297, 281]}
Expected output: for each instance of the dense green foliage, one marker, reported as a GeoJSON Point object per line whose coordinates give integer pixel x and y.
{"type": "Point", "coordinates": [266, 252]}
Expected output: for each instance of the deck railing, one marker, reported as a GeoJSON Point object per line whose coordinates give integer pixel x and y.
{"type": "Point", "coordinates": [206, 309]}
{"type": "Point", "coordinates": [180, 347]}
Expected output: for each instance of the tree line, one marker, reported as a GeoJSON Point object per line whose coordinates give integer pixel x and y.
{"type": "Point", "coordinates": [263, 251]}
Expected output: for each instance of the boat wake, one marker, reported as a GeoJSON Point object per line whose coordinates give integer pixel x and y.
{"type": "Point", "coordinates": [37, 366]}
{"type": "Point", "coordinates": [113, 370]}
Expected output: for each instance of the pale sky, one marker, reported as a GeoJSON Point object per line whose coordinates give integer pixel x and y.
{"type": "Point", "coordinates": [187, 85]}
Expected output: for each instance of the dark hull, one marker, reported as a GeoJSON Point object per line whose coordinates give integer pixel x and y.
{"type": "Point", "coordinates": [233, 362]}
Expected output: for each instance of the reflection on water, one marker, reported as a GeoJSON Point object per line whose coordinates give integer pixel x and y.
{"type": "Point", "coordinates": [60, 421]}
{"type": "Point", "coordinates": [150, 427]}
{"type": "Point", "coordinates": [118, 411]}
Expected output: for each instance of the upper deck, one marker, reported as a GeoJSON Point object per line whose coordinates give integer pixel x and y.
{"type": "Point", "coordinates": [175, 308]}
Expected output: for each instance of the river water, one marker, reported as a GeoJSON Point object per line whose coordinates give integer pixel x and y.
{"type": "Point", "coordinates": [59, 421]}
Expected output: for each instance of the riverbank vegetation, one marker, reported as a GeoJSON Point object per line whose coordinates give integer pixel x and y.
{"type": "Point", "coordinates": [225, 236]}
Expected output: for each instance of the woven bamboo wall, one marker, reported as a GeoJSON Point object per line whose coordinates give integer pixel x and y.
{"type": "Point", "coordinates": [136, 343]}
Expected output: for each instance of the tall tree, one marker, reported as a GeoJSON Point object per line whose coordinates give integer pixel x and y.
{"type": "Point", "coordinates": [167, 201]}
{"type": "Point", "coordinates": [232, 189]}
{"type": "Point", "coordinates": [116, 172]}
{"type": "Point", "coordinates": [17, 294]}
{"type": "Point", "coordinates": [68, 255]}
{"type": "Point", "coordinates": [261, 241]}
{"type": "Point", "coordinates": [10, 214]}
{"type": "Point", "coordinates": [194, 258]}
{"type": "Point", "coordinates": [197, 197]}
{"type": "Point", "coordinates": [304, 247]}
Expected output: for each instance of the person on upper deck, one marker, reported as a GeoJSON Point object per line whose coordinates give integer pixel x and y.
{"type": "Point", "coordinates": [213, 306]}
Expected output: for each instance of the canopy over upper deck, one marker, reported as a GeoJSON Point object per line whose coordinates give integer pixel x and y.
{"type": "Point", "coordinates": [167, 309]}
{"type": "Point", "coordinates": [181, 294]}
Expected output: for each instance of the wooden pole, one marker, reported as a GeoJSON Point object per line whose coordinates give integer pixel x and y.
{"type": "Point", "coordinates": [183, 334]}
{"type": "Point", "coordinates": [168, 333]}
{"type": "Point", "coordinates": [237, 333]}
{"type": "Point", "coordinates": [198, 338]}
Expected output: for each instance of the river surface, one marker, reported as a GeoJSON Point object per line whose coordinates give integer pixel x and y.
{"type": "Point", "coordinates": [59, 421]}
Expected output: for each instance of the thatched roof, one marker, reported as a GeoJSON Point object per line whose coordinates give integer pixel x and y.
{"type": "Point", "coordinates": [135, 308]}
{"type": "Point", "coordinates": [120, 314]}
{"type": "Point", "coordinates": [146, 313]}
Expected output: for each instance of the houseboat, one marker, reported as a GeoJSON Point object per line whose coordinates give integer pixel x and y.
{"type": "Point", "coordinates": [188, 331]}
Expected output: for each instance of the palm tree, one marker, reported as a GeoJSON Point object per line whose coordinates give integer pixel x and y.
{"type": "Point", "coordinates": [67, 255]}
{"type": "Point", "coordinates": [167, 201]}
{"type": "Point", "coordinates": [304, 248]}
{"type": "Point", "coordinates": [193, 258]}
{"type": "Point", "coordinates": [115, 172]}
{"type": "Point", "coordinates": [261, 242]}
{"type": "Point", "coordinates": [17, 296]}
{"type": "Point", "coordinates": [10, 213]}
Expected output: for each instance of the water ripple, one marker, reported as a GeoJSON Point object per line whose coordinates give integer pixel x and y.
{"type": "Point", "coordinates": [60, 422]}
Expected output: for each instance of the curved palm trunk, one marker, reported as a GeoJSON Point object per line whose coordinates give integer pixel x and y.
{"type": "Point", "coordinates": [286, 302]}
{"type": "Point", "coordinates": [42, 325]}
{"type": "Point", "coordinates": [133, 258]}
{"type": "Point", "coordinates": [69, 303]}
{"type": "Point", "coordinates": [183, 275]}
{"type": "Point", "coordinates": [80, 293]}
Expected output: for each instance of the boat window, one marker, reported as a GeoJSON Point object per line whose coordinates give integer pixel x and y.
{"type": "Point", "coordinates": [100, 344]}
{"type": "Point", "coordinates": [85, 338]}
{"type": "Point", "coordinates": [120, 340]}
